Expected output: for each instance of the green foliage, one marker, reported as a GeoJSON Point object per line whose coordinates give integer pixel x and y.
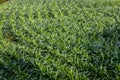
{"type": "Point", "coordinates": [60, 40]}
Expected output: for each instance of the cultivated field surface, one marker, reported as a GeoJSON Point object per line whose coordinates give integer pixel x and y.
{"type": "Point", "coordinates": [60, 40]}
